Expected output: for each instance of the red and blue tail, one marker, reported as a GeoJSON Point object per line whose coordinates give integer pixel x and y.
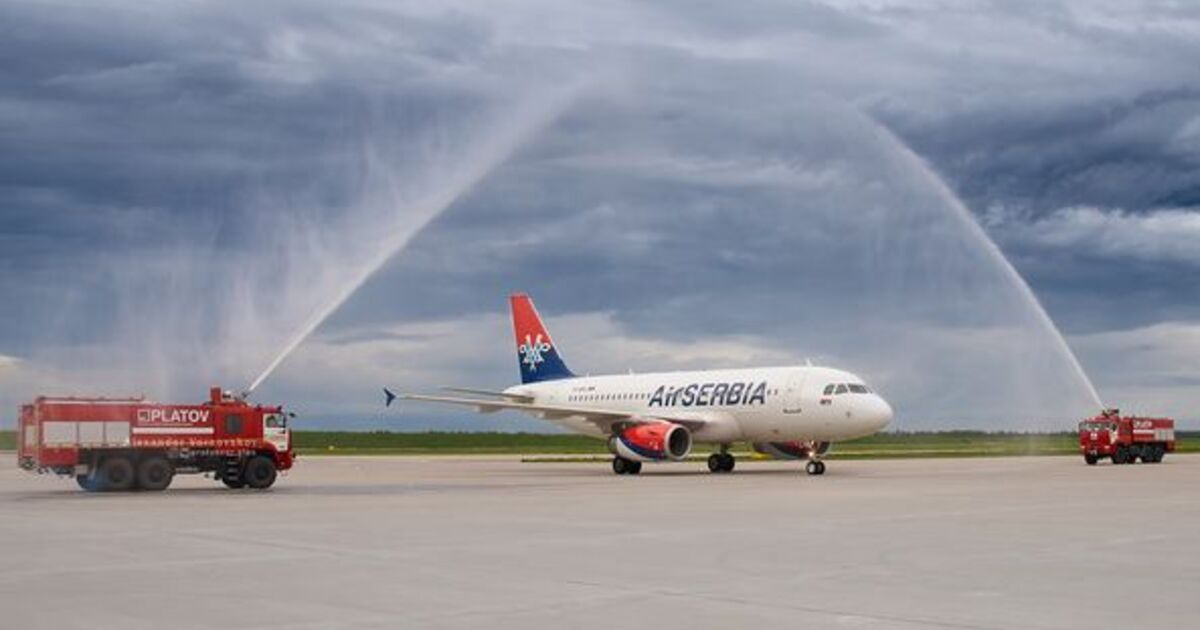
{"type": "Point", "coordinates": [536, 354]}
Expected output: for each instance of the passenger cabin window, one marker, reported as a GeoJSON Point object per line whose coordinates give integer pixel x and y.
{"type": "Point", "coordinates": [841, 389]}
{"type": "Point", "coordinates": [829, 389]}
{"type": "Point", "coordinates": [233, 425]}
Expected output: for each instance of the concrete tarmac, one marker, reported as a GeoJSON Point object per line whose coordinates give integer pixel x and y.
{"type": "Point", "coordinates": [449, 542]}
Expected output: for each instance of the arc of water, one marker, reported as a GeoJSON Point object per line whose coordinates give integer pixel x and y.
{"type": "Point", "coordinates": [538, 110]}
{"type": "Point", "coordinates": [963, 214]}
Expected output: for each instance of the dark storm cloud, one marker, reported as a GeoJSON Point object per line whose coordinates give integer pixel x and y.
{"type": "Point", "coordinates": [127, 129]}
{"type": "Point", "coordinates": [1114, 152]}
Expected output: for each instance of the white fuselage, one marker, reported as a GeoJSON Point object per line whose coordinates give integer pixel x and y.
{"type": "Point", "coordinates": [759, 405]}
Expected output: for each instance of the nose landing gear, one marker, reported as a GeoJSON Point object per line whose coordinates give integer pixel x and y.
{"type": "Point", "coordinates": [815, 467]}
{"type": "Point", "coordinates": [720, 462]}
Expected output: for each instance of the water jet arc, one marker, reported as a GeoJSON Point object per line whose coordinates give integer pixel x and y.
{"type": "Point", "coordinates": [538, 110]}
{"type": "Point", "coordinates": [964, 215]}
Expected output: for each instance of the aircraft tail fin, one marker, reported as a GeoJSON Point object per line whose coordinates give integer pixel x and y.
{"type": "Point", "coordinates": [537, 356]}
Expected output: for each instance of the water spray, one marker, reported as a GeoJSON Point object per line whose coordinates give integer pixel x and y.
{"type": "Point", "coordinates": [538, 110]}
{"type": "Point", "coordinates": [964, 215]}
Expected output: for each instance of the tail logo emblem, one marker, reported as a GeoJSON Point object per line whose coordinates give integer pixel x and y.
{"type": "Point", "coordinates": [531, 351]}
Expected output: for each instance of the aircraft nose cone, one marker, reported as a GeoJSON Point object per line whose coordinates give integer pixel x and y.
{"type": "Point", "coordinates": [880, 414]}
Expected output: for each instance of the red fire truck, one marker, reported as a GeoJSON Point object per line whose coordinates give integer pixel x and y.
{"type": "Point", "coordinates": [1126, 439]}
{"type": "Point", "coordinates": [130, 443]}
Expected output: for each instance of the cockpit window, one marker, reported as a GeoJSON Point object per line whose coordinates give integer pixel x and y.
{"type": "Point", "coordinates": [841, 388]}
{"type": "Point", "coordinates": [829, 390]}
{"type": "Point", "coordinates": [858, 389]}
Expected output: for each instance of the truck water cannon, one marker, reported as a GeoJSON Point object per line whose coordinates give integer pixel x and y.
{"type": "Point", "coordinates": [132, 443]}
{"type": "Point", "coordinates": [1125, 439]}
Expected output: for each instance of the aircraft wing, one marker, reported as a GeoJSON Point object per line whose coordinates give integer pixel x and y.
{"type": "Point", "coordinates": [604, 419]}
{"type": "Point", "coordinates": [488, 392]}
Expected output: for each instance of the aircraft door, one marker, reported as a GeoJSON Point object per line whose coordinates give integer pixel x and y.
{"type": "Point", "coordinates": [793, 395]}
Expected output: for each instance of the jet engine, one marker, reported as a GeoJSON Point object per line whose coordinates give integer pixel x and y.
{"type": "Point", "coordinates": [654, 441]}
{"type": "Point", "coordinates": [792, 450]}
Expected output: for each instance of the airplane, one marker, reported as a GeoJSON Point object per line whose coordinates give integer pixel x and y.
{"type": "Point", "coordinates": [791, 412]}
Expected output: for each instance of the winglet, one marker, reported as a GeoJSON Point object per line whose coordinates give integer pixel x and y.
{"type": "Point", "coordinates": [390, 397]}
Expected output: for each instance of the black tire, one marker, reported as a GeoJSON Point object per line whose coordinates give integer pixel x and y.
{"type": "Point", "coordinates": [155, 474]}
{"type": "Point", "coordinates": [620, 465]}
{"type": "Point", "coordinates": [727, 462]}
{"type": "Point", "coordinates": [1121, 455]}
{"type": "Point", "coordinates": [116, 474]}
{"type": "Point", "coordinates": [635, 468]}
{"type": "Point", "coordinates": [814, 467]}
{"type": "Point", "coordinates": [716, 463]}
{"type": "Point", "coordinates": [259, 472]}
{"type": "Point", "coordinates": [88, 483]}
{"type": "Point", "coordinates": [1090, 459]}
{"type": "Point", "coordinates": [234, 483]}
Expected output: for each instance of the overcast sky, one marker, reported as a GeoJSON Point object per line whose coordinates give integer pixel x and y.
{"type": "Point", "coordinates": [185, 187]}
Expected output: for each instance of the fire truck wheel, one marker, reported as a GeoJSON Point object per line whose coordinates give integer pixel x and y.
{"type": "Point", "coordinates": [116, 473]}
{"type": "Point", "coordinates": [1090, 459]}
{"type": "Point", "coordinates": [234, 483]}
{"type": "Point", "coordinates": [259, 472]}
{"type": "Point", "coordinates": [87, 482]}
{"type": "Point", "coordinates": [155, 474]}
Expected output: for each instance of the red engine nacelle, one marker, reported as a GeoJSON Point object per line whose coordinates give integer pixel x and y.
{"type": "Point", "coordinates": [652, 442]}
{"type": "Point", "coordinates": [792, 450]}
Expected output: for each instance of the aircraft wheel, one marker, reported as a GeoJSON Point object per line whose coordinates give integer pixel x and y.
{"type": "Point", "coordinates": [635, 468]}
{"type": "Point", "coordinates": [720, 463]}
{"type": "Point", "coordinates": [622, 466]}
{"type": "Point", "coordinates": [815, 467]}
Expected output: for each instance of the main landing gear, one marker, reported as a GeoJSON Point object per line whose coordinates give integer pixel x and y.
{"type": "Point", "coordinates": [815, 467]}
{"type": "Point", "coordinates": [720, 462]}
{"type": "Point", "coordinates": [623, 466]}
